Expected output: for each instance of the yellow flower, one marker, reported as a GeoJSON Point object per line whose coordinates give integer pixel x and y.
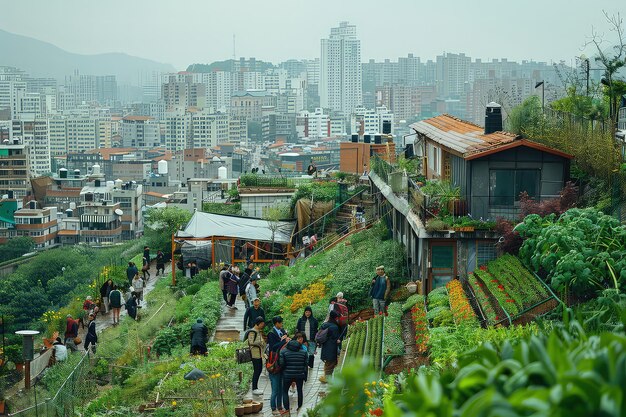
{"type": "Point", "coordinates": [173, 403]}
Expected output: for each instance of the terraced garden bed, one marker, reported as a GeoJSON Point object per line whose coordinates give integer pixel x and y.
{"type": "Point", "coordinates": [365, 342]}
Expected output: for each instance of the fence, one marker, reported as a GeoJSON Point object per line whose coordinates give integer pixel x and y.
{"type": "Point", "coordinates": [272, 181]}
{"type": "Point", "coordinates": [78, 387]}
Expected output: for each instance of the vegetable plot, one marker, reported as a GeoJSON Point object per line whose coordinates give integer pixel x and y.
{"type": "Point", "coordinates": [582, 250]}
{"type": "Point", "coordinates": [365, 341]}
{"type": "Point", "coordinates": [394, 345]}
{"type": "Point", "coordinates": [512, 285]}
{"type": "Point", "coordinates": [459, 304]}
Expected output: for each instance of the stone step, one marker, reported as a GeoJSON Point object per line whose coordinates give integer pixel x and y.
{"type": "Point", "coordinates": [226, 335]}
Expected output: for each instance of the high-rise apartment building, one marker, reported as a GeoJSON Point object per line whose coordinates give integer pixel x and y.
{"type": "Point", "coordinates": [340, 86]}
{"type": "Point", "coordinates": [34, 133]}
{"type": "Point", "coordinates": [452, 72]}
{"type": "Point", "coordinates": [14, 169]}
{"type": "Point", "coordinates": [141, 132]}
{"type": "Point", "coordinates": [180, 91]}
{"type": "Point", "coordinates": [196, 129]}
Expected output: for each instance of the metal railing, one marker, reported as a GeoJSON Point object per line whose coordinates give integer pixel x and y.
{"type": "Point", "coordinates": [273, 181]}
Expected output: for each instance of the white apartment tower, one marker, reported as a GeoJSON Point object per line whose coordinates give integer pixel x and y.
{"type": "Point", "coordinates": [340, 86]}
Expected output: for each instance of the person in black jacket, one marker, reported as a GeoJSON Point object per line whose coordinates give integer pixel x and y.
{"type": "Point", "coordinates": [276, 339]}
{"type": "Point", "coordinates": [91, 338]}
{"type": "Point", "coordinates": [160, 259]}
{"type": "Point", "coordinates": [252, 312]}
{"type": "Point", "coordinates": [105, 289]}
{"type": "Point", "coordinates": [199, 336]}
{"type": "Point", "coordinates": [293, 362]}
{"type": "Point", "coordinates": [329, 347]}
{"type": "Point", "coordinates": [307, 325]}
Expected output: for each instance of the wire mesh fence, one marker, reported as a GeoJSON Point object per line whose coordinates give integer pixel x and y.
{"type": "Point", "coordinates": [79, 386]}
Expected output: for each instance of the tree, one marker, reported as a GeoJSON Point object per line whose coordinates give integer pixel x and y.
{"type": "Point", "coordinates": [161, 224]}
{"type": "Point", "coordinates": [16, 247]}
{"type": "Point", "coordinates": [529, 113]}
{"type": "Point", "coordinates": [273, 215]}
{"type": "Point", "coordinates": [611, 61]}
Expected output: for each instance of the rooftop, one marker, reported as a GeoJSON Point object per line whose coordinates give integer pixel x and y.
{"type": "Point", "coordinates": [138, 118]}
{"type": "Point", "coordinates": [470, 140]}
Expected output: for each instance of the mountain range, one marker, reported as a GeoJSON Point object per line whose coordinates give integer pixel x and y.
{"type": "Point", "coordinates": [42, 59]}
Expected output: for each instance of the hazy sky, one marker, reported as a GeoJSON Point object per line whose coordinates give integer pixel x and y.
{"type": "Point", "coordinates": [181, 32]}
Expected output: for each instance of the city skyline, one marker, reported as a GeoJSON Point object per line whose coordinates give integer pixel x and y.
{"type": "Point", "coordinates": [171, 34]}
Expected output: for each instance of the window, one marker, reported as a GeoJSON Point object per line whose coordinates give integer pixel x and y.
{"type": "Point", "coordinates": [505, 185]}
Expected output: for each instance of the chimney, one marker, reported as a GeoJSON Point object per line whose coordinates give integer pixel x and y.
{"type": "Point", "coordinates": [386, 127]}
{"type": "Point", "coordinates": [493, 118]}
{"type": "Point", "coordinates": [355, 138]}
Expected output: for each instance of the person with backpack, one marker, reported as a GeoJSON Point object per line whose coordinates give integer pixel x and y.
{"type": "Point", "coordinates": [328, 338]}
{"type": "Point", "coordinates": [293, 363]}
{"type": "Point", "coordinates": [252, 313]}
{"type": "Point", "coordinates": [276, 339]}
{"type": "Point", "coordinates": [251, 292]}
{"type": "Point", "coordinates": [380, 290]}
{"type": "Point", "coordinates": [115, 298]}
{"type": "Point", "coordinates": [257, 347]}
{"type": "Point", "coordinates": [307, 325]}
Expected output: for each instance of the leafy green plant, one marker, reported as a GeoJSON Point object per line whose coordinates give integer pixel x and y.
{"type": "Point", "coordinates": [411, 301]}
{"type": "Point", "coordinates": [394, 345]}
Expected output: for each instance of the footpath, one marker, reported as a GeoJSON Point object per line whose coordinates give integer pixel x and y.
{"type": "Point", "coordinates": [230, 328]}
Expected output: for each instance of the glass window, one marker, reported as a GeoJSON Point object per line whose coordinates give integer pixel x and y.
{"type": "Point", "coordinates": [505, 185]}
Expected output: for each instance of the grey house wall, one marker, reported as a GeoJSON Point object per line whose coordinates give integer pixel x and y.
{"type": "Point", "coordinates": [554, 172]}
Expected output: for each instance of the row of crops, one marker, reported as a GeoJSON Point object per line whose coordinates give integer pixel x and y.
{"type": "Point", "coordinates": [504, 288]}
{"type": "Point", "coordinates": [365, 342]}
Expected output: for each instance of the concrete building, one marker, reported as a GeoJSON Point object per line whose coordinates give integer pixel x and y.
{"type": "Point", "coordinates": [402, 100]}
{"type": "Point", "coordinates": [196, 129]}
{"type": "Point", "coordinates": [140, 132]}
{"type": "Point", "coordinates": [130, 198]}
{"type": "Point", "coordinates": [340, 86]}
{"type": "Point", "coordinates": [40, 224]}
{"type": "Point", "coordinates": [34, 133]}
{"type": "Point", "coordinates": [14, 169]}
{"type": "Point", "coordinates": [370, 122]}
{"type": "Point", "coordinates": [250, 104]}
{"type": "Point", "coordinates": [218, 87]}
{"type": "Point", "coordinates": [83, 133]}
{"type": "Point", "coordinates": [278, 126]}
{"type": "Point", "coordinates": [180, 92]}
{"type": "Point", "coordinates": [452, 72]}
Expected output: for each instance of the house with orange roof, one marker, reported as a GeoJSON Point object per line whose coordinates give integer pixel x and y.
{"type": "Point", "coordinates": [472, 176]}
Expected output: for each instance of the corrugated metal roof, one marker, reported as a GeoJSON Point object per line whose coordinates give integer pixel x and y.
{"type": "Point", "coordinates": [461, 136]}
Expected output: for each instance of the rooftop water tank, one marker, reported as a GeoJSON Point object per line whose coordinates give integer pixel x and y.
{"type": "Point", "coordinates": [63, 173]}
{"type": "Point", "coordinates": [73, 205]}
{"type": "Point", "coordinates": [118, 183]}
{"type": "Point", "coordinates": [222, 173]}
{"type": "Point", "coordinates": [96, 169]}
{"type": "Point", "coordinates": [162, 167]}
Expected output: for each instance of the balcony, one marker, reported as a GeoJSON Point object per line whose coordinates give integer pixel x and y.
{"type": "Point", "coordinates": [439, 206]}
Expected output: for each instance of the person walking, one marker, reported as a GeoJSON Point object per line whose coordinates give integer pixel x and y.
{"type": "Point", "coordinates": [138, 285]}
{"type": "Point", "coordinates": [131, 305]}
{"type": "Point", "coordinates": [341, 307]}
{"type": "Point", "coordinates": [252, 313]}
{"type": "Point", "coordinates": [131, 271]}
{"type": "Point", "coordinates": [199, 336]}
{"type": "Point", "coordinates": [380, 290]}
{"type": "Point", "coordinates": [146, 253]}
{"type": "Point", "coordinates": [71, 333]}
{"type": "Point", "coordinates": [223, 279]}
{"type": "Point", "coordinates": [105, 289]}
{"type": "Point", "coordinates": [232, 285]}
{"type": "Point", "coordinates": [276, 339]}
{"type": "Point", "coordinates": [145, 269]}
{"type": "Point", "coordinates": [115, 298]}
{"type": "Point", "coordinates": [250, 291]}
{"type": "Point", "coordinates": [293, 363]}
{"type": "Point", "coordinates": [308, 325]}
{"type": "Point", "coordinates": [257, 347]}
{"type": "Point", "coordinates": [244, 280]}
{"type": "Point", "coordinates": [91, 339]}
{"type": "Point", "coordinates": [329, 346]}
{"type": "Point", "coordinates": [160, 261]}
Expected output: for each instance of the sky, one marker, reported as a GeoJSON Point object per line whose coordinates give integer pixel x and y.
{"type": "Point", "coordinates": [181, 32]}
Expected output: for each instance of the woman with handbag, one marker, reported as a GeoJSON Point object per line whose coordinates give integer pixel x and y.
{"type": "Point", "coordinates": [257, 347]}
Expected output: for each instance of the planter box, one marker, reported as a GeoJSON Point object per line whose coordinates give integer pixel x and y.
{"type": "Point", "coordinates": [464, 229]}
